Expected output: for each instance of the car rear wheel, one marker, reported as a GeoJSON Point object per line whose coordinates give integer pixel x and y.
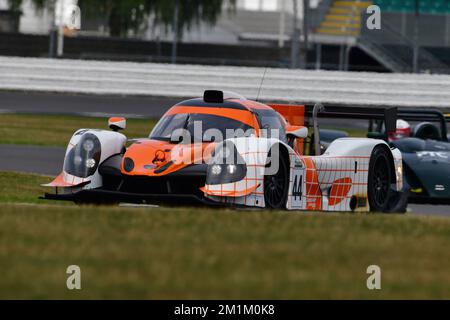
{"type": "Point", "coordinates": [276, 185]}
{"type": "Point", "coordinates": [379, 182]}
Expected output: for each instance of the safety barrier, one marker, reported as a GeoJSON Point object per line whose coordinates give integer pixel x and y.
{"type": "Point", "coordinates": [299, 86]}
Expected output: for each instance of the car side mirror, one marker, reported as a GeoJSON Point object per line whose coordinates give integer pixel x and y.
{"type": "Point", "coordinates": [117, 123]}
{"type": "Point", "coordinates": [297, 131]}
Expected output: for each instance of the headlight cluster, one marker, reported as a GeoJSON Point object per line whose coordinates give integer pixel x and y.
{"type": "Point", "coordinates": [228, 166]}
{"type": "Point", "coordinates": [83, 160]}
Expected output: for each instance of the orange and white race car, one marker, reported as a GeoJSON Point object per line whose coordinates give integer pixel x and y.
{"type": "Point", "coordinates": [223, 149]}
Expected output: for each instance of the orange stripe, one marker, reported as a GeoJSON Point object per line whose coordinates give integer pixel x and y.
{"type": "Point", "coordinates": [233, 193]}
{"type": "Point", "coordinates": [59, 182]}
{"type": "Point", "coordinates": [116, 119]}
{"type": "Point", "coordinates": [243, 116]}
{"type": "Point", "coordinates": [339, 190]}
{"type": "Point", "coordinates": [312, 186]}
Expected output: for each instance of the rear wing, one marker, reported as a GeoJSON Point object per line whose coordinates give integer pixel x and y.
{"type": "Point", "coordinates": [388, 115]}
{"type": "Point", "coordinates": [308, 115]}
{"type": "Point", "coordinates": [303, 115]}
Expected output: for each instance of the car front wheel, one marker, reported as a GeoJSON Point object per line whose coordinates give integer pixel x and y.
{"type": "Point", "coordinates": [276, 184]}
{"type": "Point", "coordinates": [379, 181]}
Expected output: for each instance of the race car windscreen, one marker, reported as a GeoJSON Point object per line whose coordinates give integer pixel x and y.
{"type": "Point", "coordinates": [199, 127]}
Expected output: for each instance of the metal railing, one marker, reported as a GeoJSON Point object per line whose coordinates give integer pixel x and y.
{"type": "Point", "coordinates": [397, 51]}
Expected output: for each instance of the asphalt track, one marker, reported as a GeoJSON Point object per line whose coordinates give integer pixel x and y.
{"type": "Point", "coordinates": [49, 160]}
{"type": "Point", "coordinates": [32, 159]}
{"type": "Point", "coordinates": [104, 106]}
{"type": "Point", "coordinates": [84, 105]}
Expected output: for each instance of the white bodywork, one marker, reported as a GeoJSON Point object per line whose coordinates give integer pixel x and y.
{"type": "Point", "coordinates": [328, 182]}
{"type": "Point", "coordinates": [112, 143]}
{"type": "Point", "coordinates": [334, 181]}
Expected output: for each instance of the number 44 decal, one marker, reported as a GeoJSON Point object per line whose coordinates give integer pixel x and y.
{"type": "Point", "coordinates": [297, 187]}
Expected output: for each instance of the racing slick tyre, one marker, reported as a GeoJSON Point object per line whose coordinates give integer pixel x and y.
{"type": "Point", "coordinates": [276, 185]}
{"type": "Point", "coordinates": [379, 181]}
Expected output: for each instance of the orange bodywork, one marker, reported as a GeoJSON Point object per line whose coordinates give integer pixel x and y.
{"type": "Point", "coordinates": [146, 153]}
{"type": "Point", "coordinates": [243, 116]}
{"type": "Point", "coordinates": [150, 155]}
{"type": "Point", "coordinates": [339, 190]}
{"type": "Point", "coordinates": [295, 116]}
{"type": "Point", "coordinates": [231, 193]}
{"type": "Point", "coordinates": [59, 182]}
{"type": "Point", "coordinates": [313, 192]}
{"type": "Point", "coordinates": [116, 119]}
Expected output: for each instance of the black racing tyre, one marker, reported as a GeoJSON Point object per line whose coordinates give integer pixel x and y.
{"type": "Point", "coordinates": [379, 181]}
{"type": "Point", "coordinates": [276, 186]}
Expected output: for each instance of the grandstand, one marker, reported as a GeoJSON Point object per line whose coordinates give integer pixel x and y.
{"type": "Point", "coordinates": [343, 18]}
{"type": "Point", "coordinates": [414, 35]}
{"type": "Point", "coordinates": [409, 6]}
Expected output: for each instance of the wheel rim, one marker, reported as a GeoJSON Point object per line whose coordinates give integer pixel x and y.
{"type": "Point", "coordinates": [380, 183]}
{"type": "Point", "coordinates": [275, 187]}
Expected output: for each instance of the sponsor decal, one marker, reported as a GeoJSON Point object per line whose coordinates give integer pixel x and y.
{"type": "Point", "coordinates": [432, 154]}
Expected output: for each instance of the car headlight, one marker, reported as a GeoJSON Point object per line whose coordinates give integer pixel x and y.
{"type": "Point", "coordinates": [90, 163]}
{"type": "Point", "coordinates": [227, 166]}
{"type": "Point", "coordinates": [83, 160]}
{"type": "Point", "coordinates": [231, 168]}
{"type": "Point", "coordinates": [216, 169]}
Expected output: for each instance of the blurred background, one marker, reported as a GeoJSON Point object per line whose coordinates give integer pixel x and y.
{"type": "Point", "coordinates": [312, 34]}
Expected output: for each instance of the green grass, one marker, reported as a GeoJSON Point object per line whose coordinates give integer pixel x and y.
{"type": "Point", "coordinates": [56, 130]}
{"type": "Point", "coordinates": [172, 253]}
{"type": "Point", "coordinates": [199, 253]}
{"type": "Point", "coordinates": [22, 188]}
